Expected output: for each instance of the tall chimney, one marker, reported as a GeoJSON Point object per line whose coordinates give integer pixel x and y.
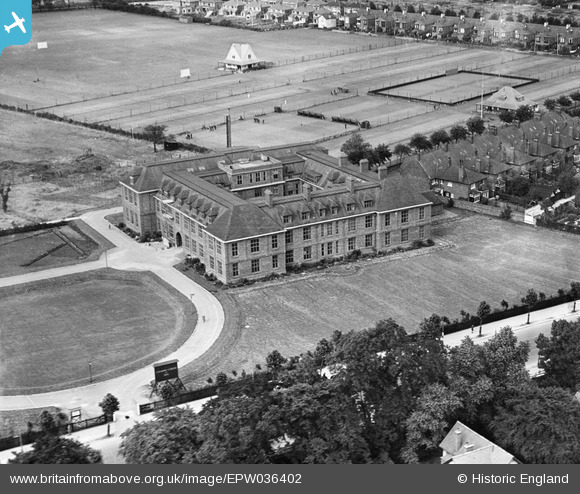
{"type": "Point", "coordinates": [461, 171]}
{"type": "Point", "coordinates": [534, 149]}
{"type": "Point", "coordinates": [557, 139]}
{"type": "Point", "coordinates": [527, 146]}
{"type": "Point", "coordinates": [478, 165]}
{"type": "Point", "coordinates": [349, 182]}
{"type": "Point", "coordinates": [382, 172]}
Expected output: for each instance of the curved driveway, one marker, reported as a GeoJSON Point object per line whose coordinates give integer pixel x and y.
{"type": "Point", "coordinates": [131, 389]}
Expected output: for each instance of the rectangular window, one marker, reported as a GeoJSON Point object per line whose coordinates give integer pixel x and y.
{"type": "Point", "coordinates": [388, 238]}
{"type": "Point", "coordinates": [211, 262]}
{"type": "Point", "coordinates": [422, 213]}
{"type": "Point", "coordinates": [219, 247]}
{"type": "Point", "coordinates": [336, 247]}
{"type": "Point", "coordinates": [351, 224]}
{"type": "Point", "coordinates": [369, 221]}
{"type": "Point", "coordinates": [289, 257]}
{"type": "Point", "coordinates": [350, 207]}
{"type": "Point", "coordinates": [210, 243]}
{"type": "Point", "coordinates": [336, 227]}
{"type": "Point", "coordinates": [235, 269]}
{"type": "Point", "coordinates": [334, 210]}
{"type": "Point", "coordinates": [201, 251]}
{"type": "Point", "coordinates": [368, 204]}
{"type": "Point", "coordinates": [306, 233]}
{"type": "Point", "coordinates": [240, 179]}
{"type": "Point", "coordinates": [274, 241]}
{"type": "Point", "coordinates": [289, 235]}
{"type": "Point", "coordinates": [258, 177]}
{"type": "Point", "coordinates": [287, 218]}
{"type": "Point", "coordinates": [305, 215]}
{"type": "Point", "coordinates": [235, 249]}
{"type": "Point", "coordinates": [258, 193]}
{"type": "Point", "coordinates": [220, 268]}
{"type": "Point", "coordinates": [405, 216]}
{"type": "Point", "coordinates": [322, 250]}
{"type": "Point", "coordinates": [255, 265]}
{"type": "Point", "coordinates": [275, 262]}
{"type": "Point", "coordinates": [322, 213]}
{"type": "Point", "coordinates": [275, 174]}
{"type": "Point", "coordinates": [388, 219]}
{"type": "Point", "coordinates": [193, 246]}
{"type": "Point", "coordinates": [421, 232]}
{"type": "Point", "coordinates": [404, 235]}
{"type": "Point", "coordinates": [329, 229]}
{"type": "Point", "coordinates": [307, 253]}
{"type": "Point", "coordinates": [329, 248]}
{"type": "Point", "coordinates": [255, 245]}
{"type": "Point", "coordinates": [352, 243]}
{"type": "Point", "coordinates": [369, 240]}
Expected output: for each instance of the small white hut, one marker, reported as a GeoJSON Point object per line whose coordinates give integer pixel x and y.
{"type": "Point", "coordinates": [242, 58]}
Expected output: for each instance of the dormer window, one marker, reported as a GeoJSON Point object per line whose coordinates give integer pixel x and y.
{"type": "Point", "coordinates": [287, 218]}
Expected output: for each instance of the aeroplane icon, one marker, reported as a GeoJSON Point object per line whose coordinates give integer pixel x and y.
{"type": "Point", "coordinates": [17, 23]}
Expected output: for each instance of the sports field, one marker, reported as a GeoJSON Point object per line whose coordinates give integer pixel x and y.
{"type": "Point", "coordinates": [123, 70]}
{"type": "Point", "coordinates": [486, 259]}
{"type": "Point", "coordinates": [117, 321]}
{"type": "Point", "coordinates": [453, 88]}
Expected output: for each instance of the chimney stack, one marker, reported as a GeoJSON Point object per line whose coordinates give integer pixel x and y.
{"type": "Point", "coordinates": [363, 165]}
{"type": "Point", "coordinates": [382, 171]}
{"type": "Point", "coordinates": [461, 171]}
{"type": "Point", "coordinates": [527, 146]}
{"type": "Point", "coordinates": [341, 159]}
{"type": "Point", "coordinates": [478, 165]}
{"type": "Point", "coordinates": [458, 440]}
{"type": "Point", "coordinates": [268, 197]}
{"type": "Point", "coordinates": [557, 139]}
{"type": "Point", "coordinates": [349, 182]}
{"type": "Point", "coordinates": [307, 191]}
{"type": "Point", "coordinates": [534, 148]}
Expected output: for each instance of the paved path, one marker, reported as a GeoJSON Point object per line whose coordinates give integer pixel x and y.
{"type": "Point", "coordinates": [131, 389]}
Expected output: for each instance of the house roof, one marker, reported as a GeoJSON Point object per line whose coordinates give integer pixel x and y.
{"type": "Point", "coordinates": [507, 98]}
{"type": "Point", "coordinates": [243, 221]}
{"type": "Point", "coordinates": [465, 446]}
{"type": "Point", "coordinates": [241, 54]}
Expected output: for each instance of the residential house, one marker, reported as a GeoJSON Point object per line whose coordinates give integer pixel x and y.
{"type": "Point", "coordinates": [326, 21]}
{"type": "Point", "coordinates": [464, 446]}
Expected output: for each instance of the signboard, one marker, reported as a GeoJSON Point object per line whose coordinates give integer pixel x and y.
{"type": "Point", "coordinates": [185, 73]}
{"type": "Point", "coordinates": [42, 45]}
{"type": "Point", "coordinates": [165, 371]}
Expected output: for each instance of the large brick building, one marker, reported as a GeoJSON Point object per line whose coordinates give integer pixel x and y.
{"type": "Point", "coordinates": [247, 214]}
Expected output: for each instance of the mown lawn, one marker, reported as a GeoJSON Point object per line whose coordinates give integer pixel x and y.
{"type": "Point", "coordinates": [119, 322]}
{"type": "Point", "coordinates": [489, 260]}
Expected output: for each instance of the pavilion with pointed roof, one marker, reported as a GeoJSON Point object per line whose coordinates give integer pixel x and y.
{"type": "Point", "coordinates": [507, 98]}
{"type": "Point", "coordinates": [242, 58]}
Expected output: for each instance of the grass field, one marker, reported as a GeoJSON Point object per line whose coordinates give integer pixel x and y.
{"type": "Point", "coordinates": [118, 321]}
{"type": "Point", "coordinates": [489, 260]}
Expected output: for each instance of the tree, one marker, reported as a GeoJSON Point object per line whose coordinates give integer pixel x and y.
{"type": "Point", "coordinates": [567, 182]}
{"type": "Point", "coordinates": [483, 311]}
{"type": "Point", "coordinates": [540, 425]}
{"type": "Point", "coordinates": [321, 424]}
{"type": "Point", "coordinates": [564, 101]}
{"type": "Point", "coordinates": [51, 449]}
{"type": "Point", "coordinates": [5, 187]}
{"type": "Point", "coordinates": [519, 186]}
{"type": "Point", "coordinates": [420, 142]}
{"type": "Point", "coordinates": [356, 148]}
{"type": "Point", "coordinates": [275, 361]}
{"type": "Point", "coordinates": [475, 125]}
{"type": "Point", "coordinates": [524, 113]}
{"type": "Point", "coordinates": [458, 132]}
{"type": "Point", "coordinates": [109, 405]}
{"type": "Point", "coordinates": [550, 104]}
{"type": "Point", "coordinates": [221, 379]}
{"type": "Point", "coordinates": [437, 406]}
{"type": "Point", "coordinates": [575, 95]}
{"type": "Point", "coordinates": [155, 133]}
{"type": "Point", "coordinates": [381, 153]}
{"type": "Point", "coordinates": [559, 355]}
{"type": "Point", "coordinates": [172, 437]}
{"type": "Point", "coordinates": [506, 116]}
{"type": "Point", "coordinates": [440, 137]}
{"type": "Point", "coordinates": [504, 304]}
{"type": "Point", "coordinates": [531, 299]}
{"type": "Point", "coordinates": [401, 150]}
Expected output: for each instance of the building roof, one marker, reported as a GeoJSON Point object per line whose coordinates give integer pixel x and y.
{"type": "Point", "coordinates": [463, 445]}
{"type": "Point", "coordinates": [241, 54]}
{"type": "Point", "coordinates": [507, 98]}
{"type": "Point", "coordinates": [243, 221]}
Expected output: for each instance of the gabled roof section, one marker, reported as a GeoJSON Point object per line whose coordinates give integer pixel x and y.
{"type": "Point", "coordinates": [241, 54]}
{"type": "Point", "coordinates": [397, 193]}
{"type": "Point", "coordinates": [243, 221]}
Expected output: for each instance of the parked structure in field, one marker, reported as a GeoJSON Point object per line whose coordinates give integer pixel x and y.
{"type": "Point", "coordinates": [464, 446]}
{"type": "Point", "coordinates": [242, 58]}
{"type": "Point", "coordinates": [507, 98]}
{"type": "Point", "coordinates": [250, 213]}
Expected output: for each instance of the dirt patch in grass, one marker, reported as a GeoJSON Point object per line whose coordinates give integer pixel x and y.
{"type": "Point", "coordinates": [118, 321]}
{"type": "Point", "coordinates": [73, 243]}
